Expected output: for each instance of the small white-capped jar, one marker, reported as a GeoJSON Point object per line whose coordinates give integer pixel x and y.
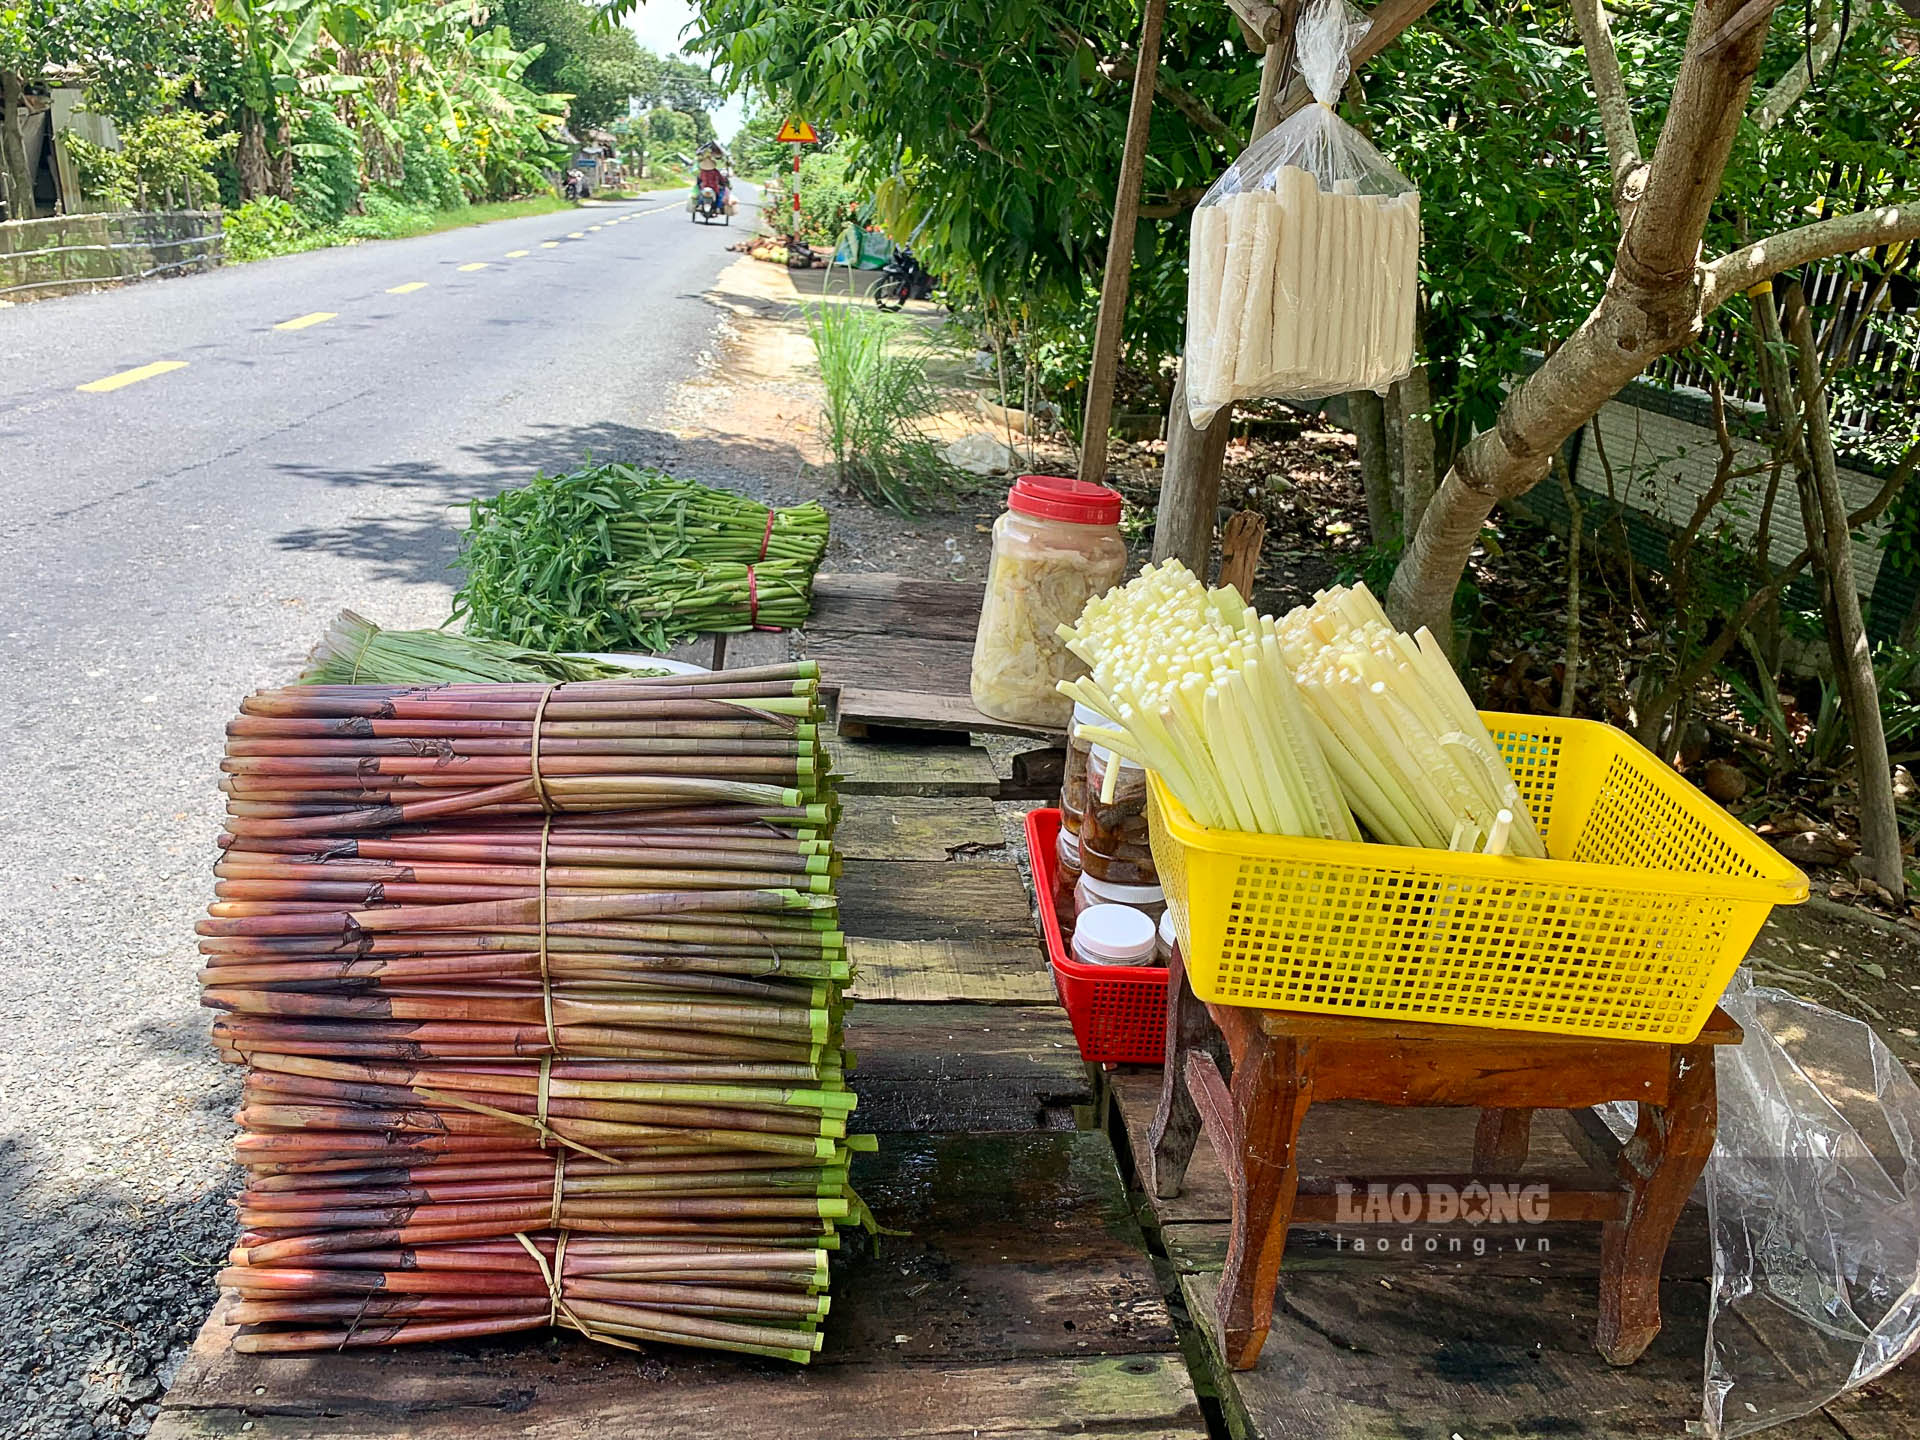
{"type": "Point", "coordinates": [1113, 935]}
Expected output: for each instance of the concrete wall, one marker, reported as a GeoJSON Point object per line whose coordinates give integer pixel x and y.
{"type": "Point", "coordinates": [68, 253]}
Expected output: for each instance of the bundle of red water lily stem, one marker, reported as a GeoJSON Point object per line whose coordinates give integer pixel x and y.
{"type": "Point", "coordinates": [539, 991]}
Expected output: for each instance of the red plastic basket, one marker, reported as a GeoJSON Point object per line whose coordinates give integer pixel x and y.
{"type": "Point", "coordinates": [1119, 1012]}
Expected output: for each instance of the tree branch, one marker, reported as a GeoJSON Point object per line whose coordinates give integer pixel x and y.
{"type": "Point", "coordinates": [1121, 67]}
{"type": "Point", "coordinates": [1742, 269]}
{"type": "Point", "coordinates": [1610, 96]}
{"type": "Point", "coordinates": [1788, 89]}
{"type": "Point", "coordinates": [1390, 18]}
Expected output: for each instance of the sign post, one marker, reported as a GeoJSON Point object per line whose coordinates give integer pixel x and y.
{"type": "Point", "coordinates": [797, 132]}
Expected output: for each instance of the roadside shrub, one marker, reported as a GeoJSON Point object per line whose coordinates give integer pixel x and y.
{"type": "Point", "coordinates": [326, 167]}
{"type": "Point", "coordinates": [430, 177]}
{"type": "Point", "coordinates": [825, 197]}
{"type": "Point", "coordinates": [381, 216]}
{"type": "Point", "coordinates": [103, 172]}
{"type": "Point", "coordinates": [264, 226]}
{"type": "Point", "coordinates": [168, 156]}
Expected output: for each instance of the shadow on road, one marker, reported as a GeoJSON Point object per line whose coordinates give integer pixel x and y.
{"type": "Point", "coordinates": [418, 538]}
{"type": "Point", "coordinates": [100, 1293]}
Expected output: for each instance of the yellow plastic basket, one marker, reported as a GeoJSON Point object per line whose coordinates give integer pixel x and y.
{"type": "Point", "coordinates": [1631, 930]}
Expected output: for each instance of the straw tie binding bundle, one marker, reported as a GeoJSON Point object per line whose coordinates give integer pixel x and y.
{"type": "Point", "coordinates": [533, 960]}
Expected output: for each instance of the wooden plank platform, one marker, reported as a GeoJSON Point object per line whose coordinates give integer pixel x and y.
{"type": "Point", "coordinates": [898, 655]}
{"type": "Point", "coordinates": [915, 827]}
{"type": "Point", "coordinates": [981, 972]}
{"type": "Point", "coordinates": [872, 767]}
{"type": "Point", "coordinates": [1021, 1302]}
{"type": "Point", "coordinates": [1021, 1295]}
{"type": "Point", "coordinates": [967, 1067]}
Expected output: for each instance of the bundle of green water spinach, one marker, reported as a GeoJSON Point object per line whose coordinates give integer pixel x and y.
{"type": "Point", "coordinates": [614, 557]}
{"type": "Point", "coordinates": [539, 990]}
{"type": "Point", "coordinates": [1300, 725]}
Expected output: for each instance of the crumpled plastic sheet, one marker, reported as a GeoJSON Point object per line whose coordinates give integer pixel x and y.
{"type": "Point", "coordinates": [1813, 1194]}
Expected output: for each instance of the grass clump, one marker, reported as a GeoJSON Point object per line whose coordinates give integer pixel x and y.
{"type": "Point", "coordinates": [878, 398]}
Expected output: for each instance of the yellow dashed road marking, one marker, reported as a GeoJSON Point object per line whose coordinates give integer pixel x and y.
{"type": "Point", "coordinates": [549, 244]}
{"type": "Point", "coordinates": [516, 254]}
{"type": "Point", "coordinates": [301, 322]}
{"type": "Point", "coordinates": [408, 288]}
{"type": "Point", "coordinates": [131, 377]}
{"type": "Point", "coordinates": [576, 234]}
{"type": "Point", "coordinates": [475, 265]}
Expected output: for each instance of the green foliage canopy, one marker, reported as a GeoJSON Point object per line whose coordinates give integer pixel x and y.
{"type": "Point", "coordinates": [995, 129]}
{"type": "Point", "coordinates": [599, 66]}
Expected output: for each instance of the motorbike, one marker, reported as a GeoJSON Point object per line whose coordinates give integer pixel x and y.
{"type": "Point", "coordinates": [902, 278]}
{"type": "Point", "coordinates": [576, 186]}
{"type": "Point", "coordinates": [708, 207]}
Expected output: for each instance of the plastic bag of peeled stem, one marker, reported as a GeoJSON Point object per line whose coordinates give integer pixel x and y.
{"type": "Point", "coordinates": [1304, 259]}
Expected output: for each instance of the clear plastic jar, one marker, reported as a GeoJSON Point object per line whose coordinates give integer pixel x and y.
{"type": "Point", "coordinates": [1055, 547]}
{"type": "Point", "coordinates": [1066, 876]}
{"type": "Point", "coordinates": [1073, 783]}
{"type": "Point", "coordinates": [1114, 841]}
{"type": "Point", "coordinates": [1150, 900]}
{"type": "Point", "coordinates": [1167, 943]}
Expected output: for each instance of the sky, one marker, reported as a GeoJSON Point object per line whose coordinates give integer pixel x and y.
{"type": "Point", "coordinates": [658, 23]}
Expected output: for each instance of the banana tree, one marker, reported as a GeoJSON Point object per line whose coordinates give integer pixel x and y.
{"type": "Point", "coordinates": [277, 41]}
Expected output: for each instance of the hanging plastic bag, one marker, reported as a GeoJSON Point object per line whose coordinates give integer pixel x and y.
{"type": "Point", "coordinates": [1304, 262]}
{"type": "Point", "coordinates": [1813, 1194]}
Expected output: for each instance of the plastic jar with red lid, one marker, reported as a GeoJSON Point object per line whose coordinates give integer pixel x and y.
{"type": "Point", "coordinates": [1055, 547]}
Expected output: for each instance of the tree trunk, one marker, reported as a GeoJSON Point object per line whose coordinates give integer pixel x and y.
{"type": "Point", "coordinates": [1190, 484]}
{"type": "Point", "coordinates": [1190, 472]}
{"type": "Point", "coordinates": [250, 156]}
{"type": "Point", "coordinates": [283, 161]}
{"type": "Point", "coordinates": [1369, 416]}
{"type": "Point", "coordinates": [1879, 859]}
{"type": "Point", "coordinates": [13, 147]}
{"type": "Point", "coordinates": [1098, 417]}
{"type": "Point", "coordinates": [1416, 449]}
{"type": "Point", "coordinates": [1651, 306]}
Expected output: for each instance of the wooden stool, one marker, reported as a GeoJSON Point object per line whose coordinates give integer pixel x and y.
{"type": "Point", "coordinates": [1281, 1061]}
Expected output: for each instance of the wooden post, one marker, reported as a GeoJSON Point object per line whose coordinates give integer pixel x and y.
{"type": "Point", "coordinates": [1098, 417]}
{"type": "Point", "coordinates": [1240, 541]}
{"type": "Point", "coordinates": [1190, 473]}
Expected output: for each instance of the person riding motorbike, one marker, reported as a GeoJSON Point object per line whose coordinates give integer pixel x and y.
{"type": "Point", "coordinates": [718, 181]}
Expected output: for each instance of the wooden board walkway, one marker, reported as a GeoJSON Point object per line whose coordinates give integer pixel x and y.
{"type": "Point", "coordinates": [897, 653]}
{"type": "Point", "coordinates": [1021, 1302]}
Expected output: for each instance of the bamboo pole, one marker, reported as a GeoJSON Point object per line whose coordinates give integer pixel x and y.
{"type": "Point", "coordinates": [1098, 416]}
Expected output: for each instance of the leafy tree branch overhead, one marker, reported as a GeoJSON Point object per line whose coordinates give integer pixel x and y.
{"type": "Point", "coordinates": [1713, 172]}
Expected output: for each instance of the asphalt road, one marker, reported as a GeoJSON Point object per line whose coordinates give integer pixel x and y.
{"type": "Point", "coordinates": [167, 542]}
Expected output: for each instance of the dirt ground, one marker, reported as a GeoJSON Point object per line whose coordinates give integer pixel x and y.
{"type": "Point", "coordinates": [754, 410]}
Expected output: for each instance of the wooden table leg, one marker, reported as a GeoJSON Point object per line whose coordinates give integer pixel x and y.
{"type": "Point", "coordinates": [1659, 1164]}
{"type": "Point", "coordinates": [1500, 1141]}
{"type": "Point", "coordinates": [1176, 1124]}
{"type": "Point", "coordinates": [1272, 1089]}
